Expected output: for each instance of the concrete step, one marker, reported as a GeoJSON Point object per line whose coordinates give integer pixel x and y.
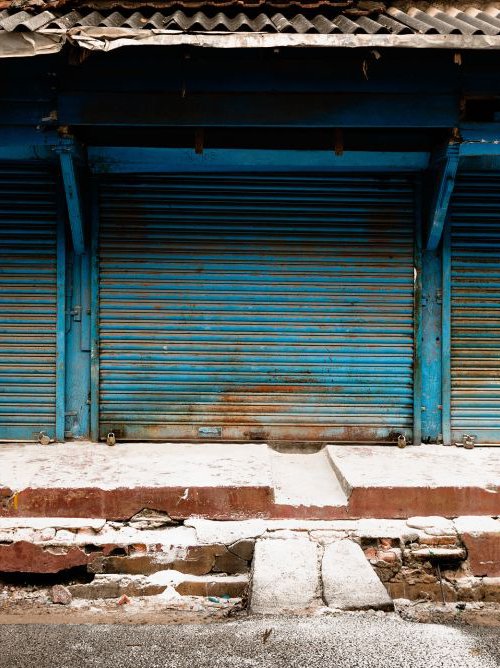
{"type": "Point", "coordinates": [293, 573]}
{"type": "Point", "coordinates": [349, 581]}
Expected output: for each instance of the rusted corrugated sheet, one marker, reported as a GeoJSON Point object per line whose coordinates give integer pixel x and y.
{"type": "Point", "coordinates": [392, 21]}
{"type": "Point", "coordinates": [28, 292]}
{"type": "Point", "coordinates": [241, 308]}
{"type": "Point", "coordinates": [475, 314]}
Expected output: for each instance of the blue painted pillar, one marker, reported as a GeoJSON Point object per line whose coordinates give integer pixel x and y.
{"type": "Point", "coordinates": [77, 423]}
{"type": "Point", "coordinates": [431, 346]}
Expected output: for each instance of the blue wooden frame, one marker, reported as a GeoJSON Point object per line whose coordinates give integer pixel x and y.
{"type": "Point", "coordinates": [417, 319]}
{"type": "Point", "coordinates": [116, 160]}
{"type": "Point", "coordinates": [73, 202]}
{"type": "Point", "coordinates": [446, 336]}
{"type": "Point", "coordinates": [61, 325]}
{"type": "Point", "coordinates": [447, 170]}
{"type": "Point", "coordinates": [94, 318]}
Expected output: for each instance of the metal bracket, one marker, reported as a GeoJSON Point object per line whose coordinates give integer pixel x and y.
{"type": "Point", "coordinates": [447, 170]}
{"type": "Point", "coordinates": [68, 153]}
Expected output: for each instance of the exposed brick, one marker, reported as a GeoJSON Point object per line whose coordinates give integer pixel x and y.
{"type": "Point", "coordinates": [243, 548]}
{"type": "Point", "coordinates": [491, 590]}
{"type": "Point", "coordinates": [24, 557]}
{"type": "Point", "coordinates": [441, 541]}
{"type": "Point", "coordinates": [142, 564]}
{"type": "Point", "coordinates": [431, 592]}
{"type": "Point", "coordinates": [229, 563]}
{"type": "Point", "coordinates": [483, 551]}
{"type": "Point", "coordinates": [109, 586]}
{"type": "Point", "coordinates": [233, 587]}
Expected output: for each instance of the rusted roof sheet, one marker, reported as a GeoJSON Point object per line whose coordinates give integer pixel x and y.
{"type": "Point", "coordinates": [392, 21]}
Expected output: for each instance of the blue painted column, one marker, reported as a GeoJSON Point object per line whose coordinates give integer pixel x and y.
{"type": "Point", "coordinates": [431, 347]}
{"type": "Point", "coordinates": [77, 423]}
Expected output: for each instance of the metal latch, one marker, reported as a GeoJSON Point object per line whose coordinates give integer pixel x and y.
{"type": "Point", "coordinates": [76, 312]}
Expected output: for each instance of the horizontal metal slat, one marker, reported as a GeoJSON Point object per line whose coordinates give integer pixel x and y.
{"type": "Point", "coordinates": [303, 282]}
{"type": "Point", "coordinates": [27, 301]}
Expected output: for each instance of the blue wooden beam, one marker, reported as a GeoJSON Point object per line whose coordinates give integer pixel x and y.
{"type": "Point", "coordinates": [102, 159]}
{"type": "Point", "coordinates": [237, 109]}
{"type": "Point", "coordinates": [447, 170]}
{"type": "Point", "coordinates": [72, 191]}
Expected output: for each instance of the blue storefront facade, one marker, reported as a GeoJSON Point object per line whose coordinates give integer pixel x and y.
{"type": "Point", "coordinates": [242, 231]}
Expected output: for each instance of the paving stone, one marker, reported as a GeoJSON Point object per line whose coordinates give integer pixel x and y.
{"type": "Point", "coordinates": [229, 563]}
{"type": "Point", "coordinates": [394, 529]}
{"type": "Point", "coordinates": [349, 582]}
{"type": "Point", "coordinates": [433, 525]}
{"type": "Point", "coordinates": [243, 549]}
{"type": "Point", "coordinates": [234, 586]}
{"type": "Point", "coordinates": [285, 575]}
{"type": "Point", "coordinates": [114, 586]}
{"type": "Point", "coordinates": [473, 525]}
{"type": "Point", "coordinates": [151, 519]}
{"type": "Point", "coordinates": [438, 553]}
{"type": "Point", "coordinates": [55, 522]}
{"type": "Point", "coordinates": [208, 531]}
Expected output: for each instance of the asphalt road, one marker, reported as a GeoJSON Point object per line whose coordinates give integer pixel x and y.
{"type": "Point", "coordinates": [355, 641]}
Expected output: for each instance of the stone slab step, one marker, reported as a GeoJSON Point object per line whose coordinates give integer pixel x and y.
{"type": "Point", "coordinates": [349, 581]}
{"type": "Point", "coordinates": [292, 573]}
{"type": "Point", "coordinates": [285, 576]}
{"type": "Point", "coordinates": [115, 586]}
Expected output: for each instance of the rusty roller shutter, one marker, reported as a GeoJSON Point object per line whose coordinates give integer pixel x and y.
{"type": "Point", "coordinates": [475, 307]}
{"type": "Point", "coordinates": [28, 295]}
{"type": "Point", "coordinates": [256, 307]}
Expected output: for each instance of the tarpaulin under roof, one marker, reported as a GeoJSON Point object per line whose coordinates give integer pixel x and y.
{"type": "Point", "coordinates": [46, 28]}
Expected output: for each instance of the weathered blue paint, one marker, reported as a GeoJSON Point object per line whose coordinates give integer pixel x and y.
{"type": "Point", "coordinates": [475, 307]}
{"type": "Point", "coordinates": [446, 335]}
{"type": "Point", "coordinates": [126, 160]}
{"type": "Point", "coordinates": [94, 315]}
{"type": "Point", "coordinates": [272, 306]}
{"type": "Point", "coordinates": [72, 193]}
{"type": "Point", "coordinates": [61, 323]}
{"type": "Point", "coordinates": [77, 347]}
{"type": "Point", "coordinates": [29, 292]}
{"type": "Point", "coordinates": [417, 318]}
{"type": "Point", "coordinates": [447, 165]}
{"type": "Point", "coordinates": [431, 346]}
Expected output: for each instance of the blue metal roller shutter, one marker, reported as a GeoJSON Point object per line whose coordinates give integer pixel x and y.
{"type": "Point", "coordinates": [256, 307]}
{"type": "Point", "coordinates": [28, 292]}
{"type": "Point", "coordinates": [475, 307]}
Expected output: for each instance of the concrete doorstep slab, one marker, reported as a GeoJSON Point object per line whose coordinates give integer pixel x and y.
{"type": "Point", "coordinates": [349, 581]}
{"type": "Point", "coordinates": [289, 575]}
{"type": "Point", "coordinates": [285, 575]}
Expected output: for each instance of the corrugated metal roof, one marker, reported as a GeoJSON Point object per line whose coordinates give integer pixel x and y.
{"type": "Point", "coordinates": [452, 21]}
